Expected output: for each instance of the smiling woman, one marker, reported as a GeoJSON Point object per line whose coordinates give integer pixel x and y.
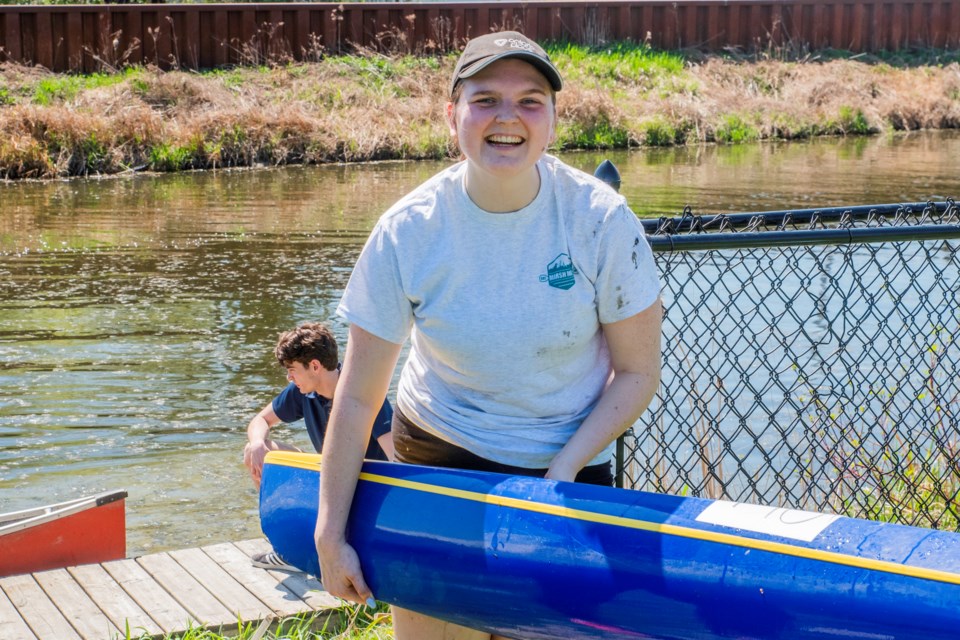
{"type": "Point", "coordinates": [576, 356]}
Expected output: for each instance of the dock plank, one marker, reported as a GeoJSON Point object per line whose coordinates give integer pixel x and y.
{"type": "Point", "coordinates": [233, 595]}
{"type": "Point", "coordinates": [82, 612]}
{"type": "Point", "coordinates": [214, 587]}
{"type": "Point", "coordinates": [206, 609]}
{"type": "Point", "coordinates": [12, 626]}
{"type": "Point", "coordinates": [261, 583]}
{"type": "Point", "coordinates": [37, 610]}
{"type": "Point", "coordinates": [305, 587]}
{"type": "Point", "coordinates": [115, 603]}
{"type": "Point", "coordinates": [146, 592]}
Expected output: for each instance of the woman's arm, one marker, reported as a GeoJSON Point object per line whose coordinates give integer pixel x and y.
{"type": "Point", "coordinates": [634, 345]}
{"type": "Point", "coordinates": [363, 385]}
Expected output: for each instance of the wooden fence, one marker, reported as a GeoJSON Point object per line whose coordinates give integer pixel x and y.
{"type": "Point", "coordinates": [92, 37]}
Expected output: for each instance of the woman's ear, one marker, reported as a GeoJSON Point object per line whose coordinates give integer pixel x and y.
{"type": "Point", "coordinates": [452, 119]}
{"type": "Point", "coordinates": [553, 128]}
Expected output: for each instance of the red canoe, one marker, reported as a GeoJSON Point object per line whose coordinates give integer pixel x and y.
{"type": "Point", "coordinates": [81, 531]}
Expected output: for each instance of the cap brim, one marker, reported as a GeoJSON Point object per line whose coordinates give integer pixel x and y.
{"type": "Point", "coordinates": [548, 70]}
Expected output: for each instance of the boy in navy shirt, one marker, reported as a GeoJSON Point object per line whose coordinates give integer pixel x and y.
{"type": "Point", "coordinates": [309, 354]}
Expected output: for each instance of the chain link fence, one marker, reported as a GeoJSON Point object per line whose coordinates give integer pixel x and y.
{"type": "Point", "coordinates": [810, 360]}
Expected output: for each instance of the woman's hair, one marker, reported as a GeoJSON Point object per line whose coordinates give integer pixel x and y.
{"type": "Point", "coordinates": [309, 341]}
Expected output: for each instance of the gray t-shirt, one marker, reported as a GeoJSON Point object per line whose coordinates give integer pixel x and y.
{"type": "Point", "coordinates": [507, 356]}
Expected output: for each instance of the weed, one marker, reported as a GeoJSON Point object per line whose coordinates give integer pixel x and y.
{"type": "Point", "coordinates": [598, 134]}
{"type": "Point", "coordinates": [853, 121]}
{"type": "Point", "coordinates": [658, 133]}
{"type": "Point", "coordinates": [734, 130]}
{"type": "Point", "coordinates": [171, 157]}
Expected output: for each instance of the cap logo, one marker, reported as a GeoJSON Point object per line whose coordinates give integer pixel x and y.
{"type": "Point", "coordinates": [513, 43]}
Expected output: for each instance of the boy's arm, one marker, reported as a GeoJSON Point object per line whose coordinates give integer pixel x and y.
{"type": "Point", "coordinates": [257, 435]}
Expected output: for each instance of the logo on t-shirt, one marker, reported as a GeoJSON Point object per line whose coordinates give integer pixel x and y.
{"type": "Point", "coordinates": [560, 272]}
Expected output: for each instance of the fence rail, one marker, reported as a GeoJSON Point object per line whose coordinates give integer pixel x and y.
{"type": "Point", "coordinates": [91, 37]}
{"type": "Point", "coordinates": [811, 360]}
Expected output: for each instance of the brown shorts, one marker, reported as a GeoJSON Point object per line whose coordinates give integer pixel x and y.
{"type": "Point", "coordinates": [413, 445]}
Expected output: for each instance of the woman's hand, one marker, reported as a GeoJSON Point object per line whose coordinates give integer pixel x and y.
{"type": "Point", "coordinates": [341, 574]}
{"type": "Point", "coordinates": [559, 470]}
{"type": "Point", "coordinates": [634, 345]}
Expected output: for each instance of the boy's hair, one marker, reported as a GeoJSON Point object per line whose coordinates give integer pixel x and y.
{"type": "Point", "coordinates": [309, 341]}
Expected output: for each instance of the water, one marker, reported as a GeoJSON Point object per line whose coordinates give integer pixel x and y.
{"type": "Point", "coordinates": [138, 313]}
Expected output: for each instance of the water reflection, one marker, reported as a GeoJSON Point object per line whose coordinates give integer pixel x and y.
{"type": "Point", "coordinates": [138, 314]}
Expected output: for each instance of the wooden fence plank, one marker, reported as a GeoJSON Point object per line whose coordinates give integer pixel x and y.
{"type": "Point", "coordinates": [163, 36]}
{"type": "Point", "coordinates": [11, 37]}
{"type": "Point", "coordinates": [302, 47]}
{"type": "Point", "coordinates": [220, 37]}
{"type": "Point", "coordinates": [189, 46]}
{"type": "Point", "coordinates": [44, 41]}
{"type": "Point", "coordinates": [131, 38]}
{"type": "Point", "coordinates": [36, 608]}
{"type": "Point", "coordinates": [186, 590]}
{"type": "Point", "coordinates": [953, 35]}
{"type": "Point", "coordinates": [115, 603]}
{"type": "Point", "coordinates": [12, 625]}
{"type": "Point", "coordinates": [149, 594]}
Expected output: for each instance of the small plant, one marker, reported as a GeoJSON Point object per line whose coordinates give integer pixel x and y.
{"type": "Point", "coordinates": [171, 157]}
{"type": "Point", "coordinates": [734, 130]}
{"type": "Point", "coordinates": [853, 121]}
{"type": "Point", "coordinates": [598, 134]}
{"type": "Point", "coordinates": [658, 133]}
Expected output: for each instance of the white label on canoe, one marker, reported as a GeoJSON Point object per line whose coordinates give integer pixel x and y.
{"type": "Point", "coordinates": [776, 521]}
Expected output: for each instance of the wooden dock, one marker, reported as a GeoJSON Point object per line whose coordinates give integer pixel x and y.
{"type": "Point", "coordinates": [212, 587]}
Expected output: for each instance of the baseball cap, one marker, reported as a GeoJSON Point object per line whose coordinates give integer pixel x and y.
{"type": "Point", "coordinates": [484, 50]}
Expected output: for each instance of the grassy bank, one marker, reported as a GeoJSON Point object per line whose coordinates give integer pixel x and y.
{"type": "Point", "coordinates": [374, 107]}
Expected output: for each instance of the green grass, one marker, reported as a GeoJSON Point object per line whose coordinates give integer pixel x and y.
{"type": "Point", "coordinates": [620, 62]}
{"type": "Point", "coordinates": [853, 120]}
{"type": "Point", "coordinates": [735, 130]}
{"type": "Point", "coordinates": [350, 622]}
{"type": "Point", "coordinates": [63, 88]}
{"type": "Point", "coordinates": [171, 157]}
{"type": "Point", "coordinates": [658, 132]}
{"type": "Point", "coordinates": [598, 134]}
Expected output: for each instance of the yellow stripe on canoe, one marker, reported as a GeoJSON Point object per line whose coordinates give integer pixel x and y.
{"type": "Point", "coordinates": [312, 462]}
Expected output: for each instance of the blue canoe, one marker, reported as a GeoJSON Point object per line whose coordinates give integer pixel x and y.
{"type": "Point", "coordinates": [533, 558]}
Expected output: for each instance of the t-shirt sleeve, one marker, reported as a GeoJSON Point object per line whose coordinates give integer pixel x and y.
{"type": "Point", "coordinates": [374, 298]}
{"type": "Point", "coordinates": [381, 425]}
{"type": "Point", "coordinates": [628, 281]}
{"type": "Point", "coordinates": [288, 405]}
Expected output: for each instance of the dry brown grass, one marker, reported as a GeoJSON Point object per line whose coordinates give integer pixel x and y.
{"type": "Point", "coordinates": [369, 108]}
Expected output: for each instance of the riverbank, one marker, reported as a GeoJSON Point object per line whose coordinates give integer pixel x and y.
{"type": "Point", "coordinates": [374, 107]}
